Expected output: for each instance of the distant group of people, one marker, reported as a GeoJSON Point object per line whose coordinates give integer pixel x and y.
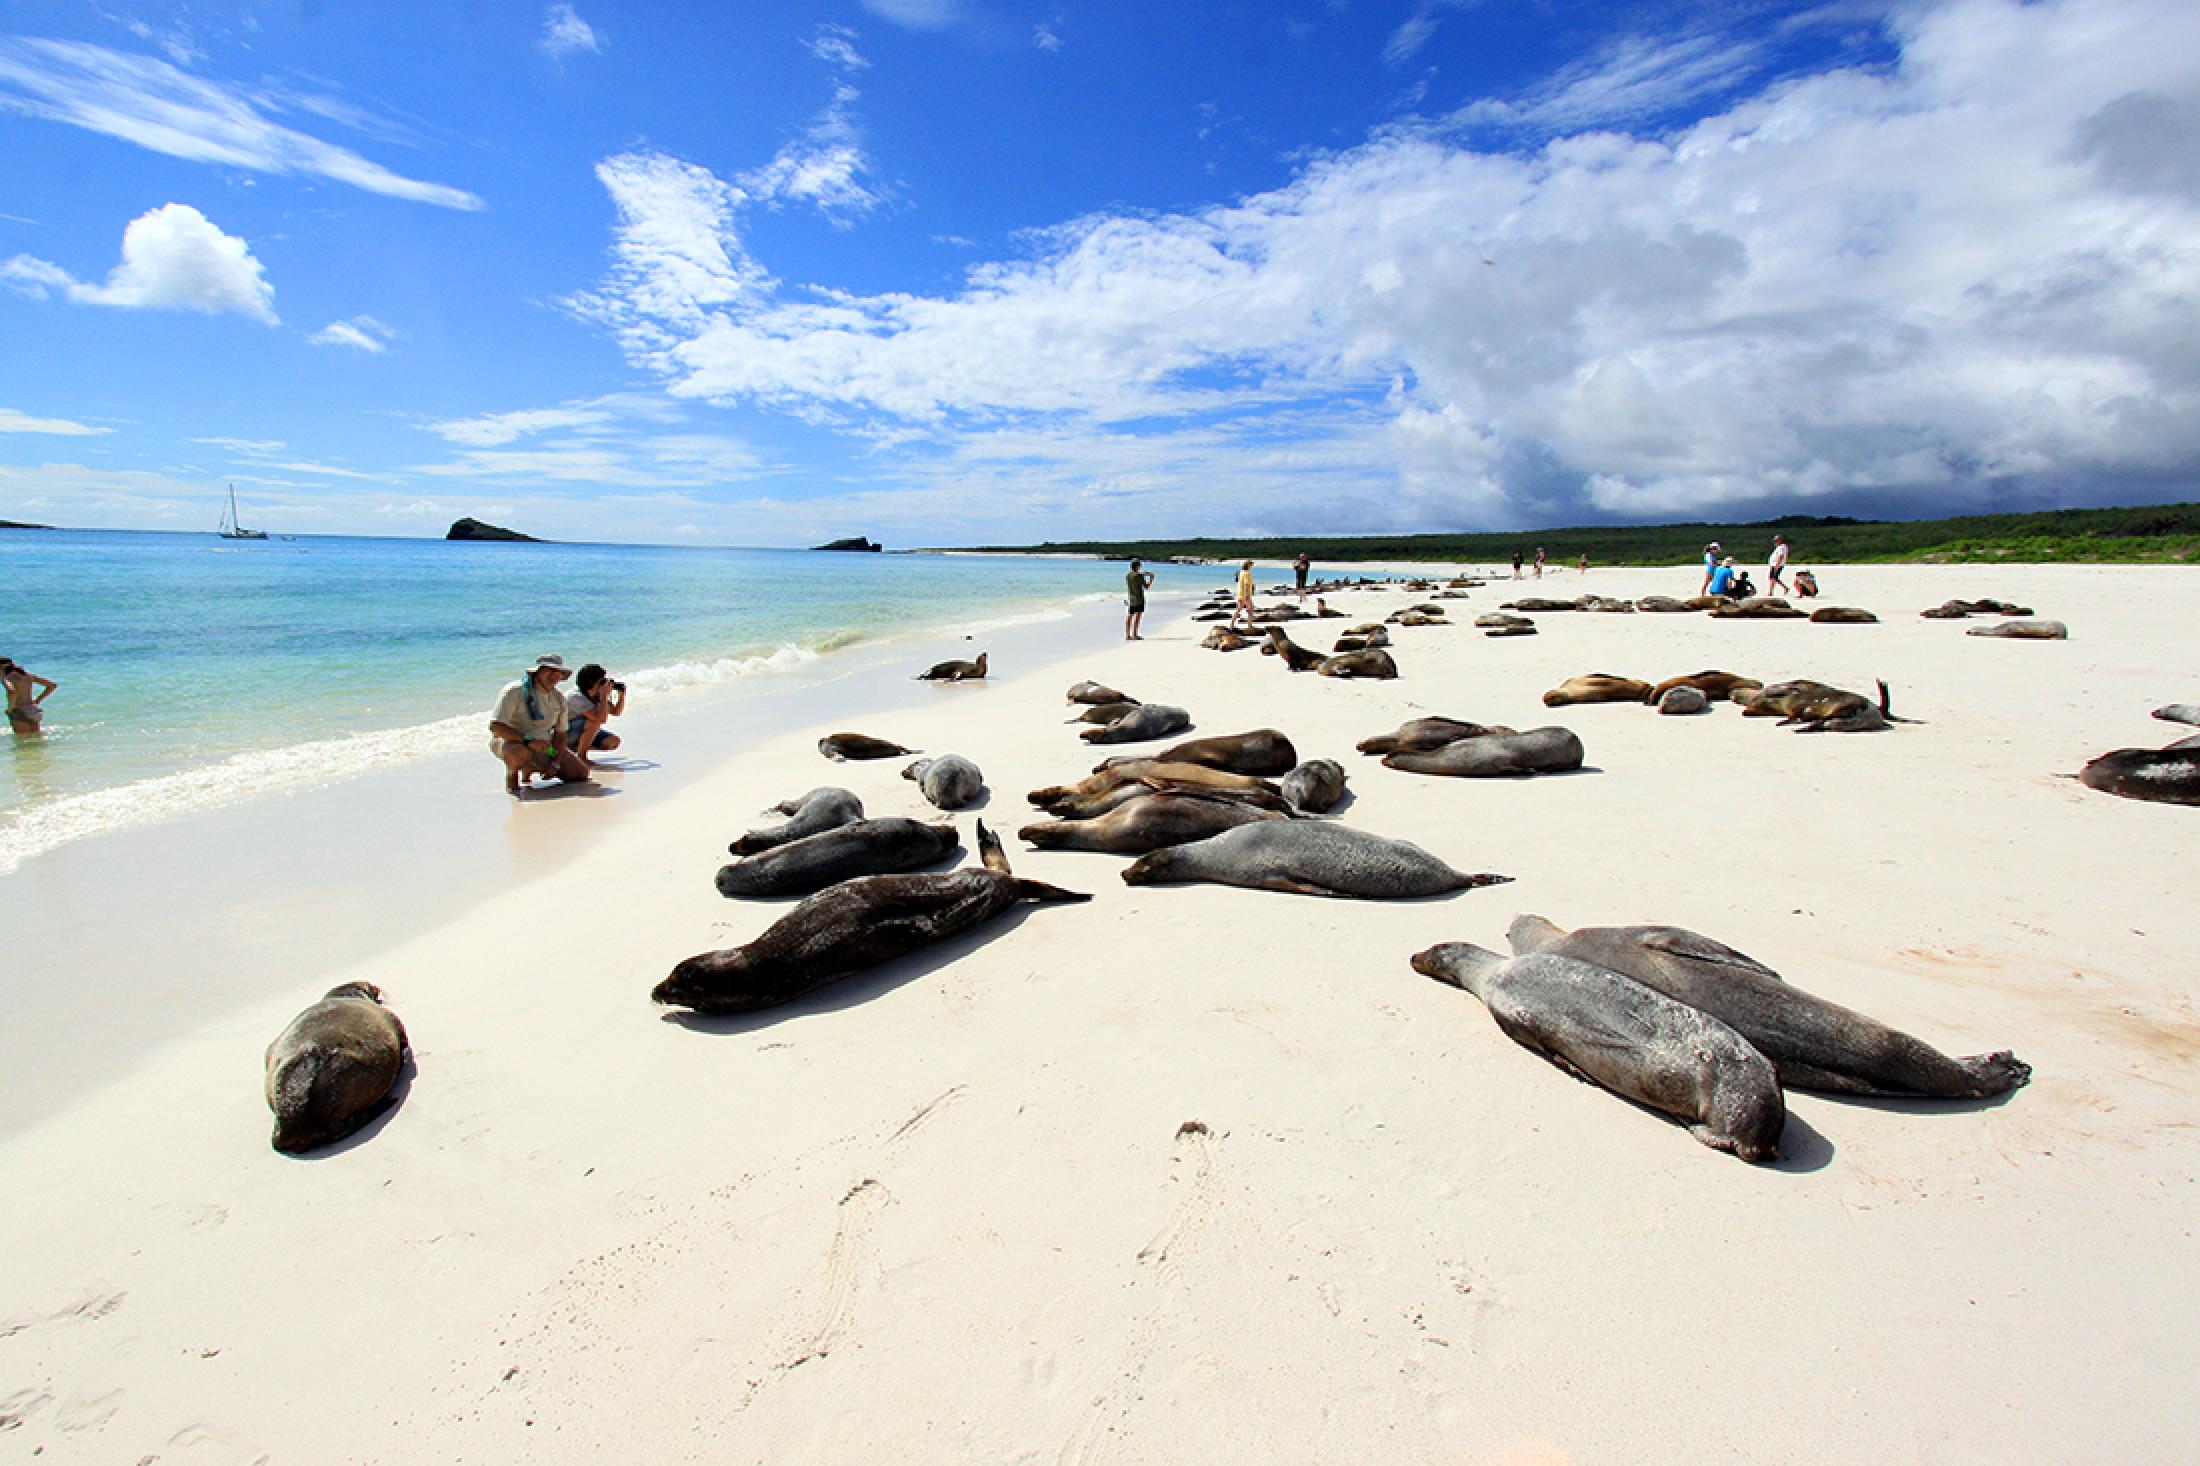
{"type": "Point", "coordinates": [1140, 579]}
{"type": "Point", "coordinates": [538, 730]}
{"type": "Point", "coordinates": [1722, 578]}
{"type": "Point", "coordinates": [27, 693]}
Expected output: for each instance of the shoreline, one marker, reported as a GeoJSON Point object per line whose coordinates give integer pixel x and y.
{"type": "Point", "coordinates": [971, 1177]}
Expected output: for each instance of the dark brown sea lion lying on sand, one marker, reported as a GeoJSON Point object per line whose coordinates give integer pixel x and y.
{"type": "Point", "coordinates": [2159, 775]}
{"type": "Point", "coordinates": [1714, 685]}
{"type": "Point", "coordinates": [330, 1069]}
{"type": "Point", "coordinates": [955, 671]}
{"type": "Point", "coordinates": [1262, 751]}
{"type": "Point", "coordinates": [1422, 734]}
{"type": "Point", "coordinates": [1550, 750]}
{"type": "Point", "coordinates": [1152, 821]}
{"type": "Point", "coordinates": [844, 746]}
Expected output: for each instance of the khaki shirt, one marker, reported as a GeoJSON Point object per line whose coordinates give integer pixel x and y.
{"type": "Point", "coordinates": [511, 710]}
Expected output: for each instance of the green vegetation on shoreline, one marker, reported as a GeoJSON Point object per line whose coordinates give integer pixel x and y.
{"type": "Point", "coordinates": [2162, 533]}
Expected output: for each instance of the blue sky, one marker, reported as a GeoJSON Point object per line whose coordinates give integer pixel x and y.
{"type": "Point", "coordinates": [964, 271]}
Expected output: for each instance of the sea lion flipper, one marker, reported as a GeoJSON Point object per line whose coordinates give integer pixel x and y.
{"type": "Point", "coordinates": [1696, 947]}
{"type": "Point", "coordinates": [1031, 890]}
{"type": "Point", "coordinates": [990, 851]}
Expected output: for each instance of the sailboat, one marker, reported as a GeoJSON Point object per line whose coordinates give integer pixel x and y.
{"type": "Point", "coordinates": [231, 529]}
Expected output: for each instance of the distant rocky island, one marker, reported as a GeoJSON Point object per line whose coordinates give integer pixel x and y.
{"type": "Point", "coordinates": [474, 529]}
{"type": "Point", "coordinates": [11, 524]}
{"type": "Point", "coordinates": [859, 544]}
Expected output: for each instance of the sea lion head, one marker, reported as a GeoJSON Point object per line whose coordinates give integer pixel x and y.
{"type": "Point", "coordinates": [1152, 868]}
{"type": "Point", "coordinates": [365, 990]}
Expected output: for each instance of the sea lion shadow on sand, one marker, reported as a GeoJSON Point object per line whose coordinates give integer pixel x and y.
{"type": "Point", "coordinates": [852, 992]}
{"type": "Point", "coordinates": [1905, 1104]}
{"type": "Point", "coordinates": [1803, 1147]}
{"type": "Point", "coordinates": [384, 1111]}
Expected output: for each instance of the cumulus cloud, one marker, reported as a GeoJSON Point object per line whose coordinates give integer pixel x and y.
{"type": "Point", "coordinates": [1816, 294]}
{"type": "Point", "coordinates": [360, 333]}
{"type": "Point", "coordinates": [12, 421]}
{"type": "Point", "coordinates": [144, 100]}
{"type": "Point", "coordinates": [173, 258]}
{"type": "Point", "coordinates": [564, 33]}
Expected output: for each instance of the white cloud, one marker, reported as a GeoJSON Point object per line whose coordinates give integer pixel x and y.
{"type": "Point", "coordinates": [360, 333]}
{"type": "Point", "coordinates": [564, 32]}
{"type": "Point", "coordinates": [920, 15]}
{"type": "Point", "coordinates": [1045, 38]}
{"type": "Point", "coordinates": [1819, 291]}
{"type": "Point", "coordinates": [12, 421]}
{"type": "Point", "coordinates": [826, 167]}
{"type": "Point", "coordinates": [248, 447]}
{"type": "Point", "coordinates": [146, 101]}
{"type": "Point", "coordinates": [835, 45]}
{"type": "Point", "coordinates": [1633, 77]}
{"type": "Point", "coordinates": [173, 258]}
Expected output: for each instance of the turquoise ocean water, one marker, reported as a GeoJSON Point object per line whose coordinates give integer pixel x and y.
{"type": "Point", "coordinates": [197, 671]}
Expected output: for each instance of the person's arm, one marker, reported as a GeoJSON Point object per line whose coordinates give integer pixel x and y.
{"type": "Point", "coordinates": [46, 682]}
{"type": "Point", "coordinates": [615, 704]}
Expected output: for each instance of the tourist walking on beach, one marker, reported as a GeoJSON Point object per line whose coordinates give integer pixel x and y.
{"type": "Point", "coordinates": [1516, 564]}
{"type": "Point", "coordinates": [595, 698]}
{"type": "Point", "coordinates": [1710, 565]}
{"type": "Point", "coordinates": [1244, 611]}
{"type": "Point", "coordinates": [1299, 567]}
{"type": "Point", "coordinates": [1538, 562]}
{"type": "Point", "coordinates": [25, 715]}
{"type": "Point", "coordinates": [1136, 582]}
{"type": "Point", "coordinates": [1776, 568]}
{"type": "Point", "coordinates": [1584, 564]}
{"type": "Point", "coordinates": [527, 730]}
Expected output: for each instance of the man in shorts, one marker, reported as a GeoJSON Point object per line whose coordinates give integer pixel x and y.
{"type": "Point", "coordinates": [527, 729]}
{"type": "Point", "coordinates": [1299, 567]}
{"type": "Point", "coordinates": [1136, 583]}
{"type": "Point", "coordinates": [1776, 569]}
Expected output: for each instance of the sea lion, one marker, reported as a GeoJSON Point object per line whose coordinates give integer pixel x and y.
{"type": "Point", "coordinates": [1946, 611]}
{"type": "Point", "coordinates": [1843, 616]}
{"type": "Point", "coordinates": [1374, 663]}
{"type": "Point", "coordinates": [1813, 1043]}
{"type": "Point", "coordinates": [2162, 775]}
{"type": "Point", "coordinates": [1373, 630]}
{"type": "Point", "coordinates": [329, 1071]}
{"type": "Point", "coordinates": [2189, 742]}
{"type": "Point", "coordinates": [1633, 1041]}
{"type": "Point", "coordinates": [1222, 639]}
{"type": "Point", "coordinates": [1835, 710]}
{"type": "Point", "coordinates": [1595, 687]}
{"type": "Point", "coordinates": [865, 848]}
{"type": "Point", "coordinates": [1703, 603]}
{"type": "Point", "coordinates": [1537, 751]}
{"type": "Point", "coordinates": [1537, 603]}
{"type": "Point", "coordinates": [1681, 699]}
{"type": "Point", "coordinates": [1151, 821]}
{"type": "Point", "coordinates": [1660, 603]}
{"type": "Point", "coordinates": [2179, 712]}
{"type": "Point", "coordinates": [1308, 858]}
{"type": "Point", "coordinates": [1147, 720]}
{"type": "Point", "coordinates": [1296, 657]}
{"type": "Point", "coordinates": [1211, 616]}
{"type": "Point", "coordinates": [844, 746]}
{"type": "Point", "coordinates": [1103, 712]}
{"type": "Point", "coordinates": [1758, 608]}
{"type": "Point", "coordinates": [1350, 644]}
{"type": "Point", "coordinates": [813, 814]}
{"type": "Point", "coordinates": [1416, 618]}
{"type": "Point", "coordinates": [1150, 774]}
{"type": "Point", "coordinates": [947, 782]}
{"type": "Point", "coordinates": [1524, 628]}
{"type": "Point", "coordinates": [1093, 692]}
{"type": "Point", "coordinates": [1323, 611]}
{"type": "Point", "coordinates": [1494, 620]}
{"type": "Point", "coordinates": [954, 671]}
{"type": "Point", "coordinates": [1262, 751]}
{"type": "Point", "coordinates": [2024, 630]}
{"type": "Point", "coordinates": [1421, 734]}
{"type": "Point", "coordinates": [851, 928]}
{"type": "Point", "coordinates": [1714, 685]}
{"type": "Point", "coordinates": [1604, 603]}
{"type": "Point", "coordinates": [1314, 786]}
{"type": "Point", "coordinates": [1780, 699]}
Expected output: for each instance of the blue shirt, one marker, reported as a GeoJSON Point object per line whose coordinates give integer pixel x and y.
{"type": "Point", "coordinates": [1721, 578]}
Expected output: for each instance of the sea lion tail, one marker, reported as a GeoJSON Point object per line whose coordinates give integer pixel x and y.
{"type": "Point", "coordinates": [1031, 890]}
{"type": "Point", "coordinates": [990, 851]}
{"type": "Point", "coordinates": [1462, 964]}
{"type": "Point", "coordinates": [1484, 878]}
{"type": "Point", "coordinates": [1532, 933]}
{"type": "Point", "coordinates": [1883, 708]}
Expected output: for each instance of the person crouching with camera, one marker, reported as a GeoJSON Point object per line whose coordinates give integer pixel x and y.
{"type": "Point", "coordinates": [595, 698]}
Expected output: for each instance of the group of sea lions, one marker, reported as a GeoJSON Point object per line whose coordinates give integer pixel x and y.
{"type": "Point", "coordinates": [1462, 750]}
{"type": "Point", "coordinates": [1807, 706]}
{"type": "Point", "coordinates": [1692, 1028]}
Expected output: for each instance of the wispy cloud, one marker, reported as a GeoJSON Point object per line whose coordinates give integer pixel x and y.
{"type": "Point", "coordinates": [1631, 79]}
{"type": "Point", "coordinates": [920, 15]}
{"type": "Point", "coordinates": [248, 447]}
{"type": "Point", "coordinates": [1046, 37]}
{"type": "Point", "coordinates": [565, 33]}
{"type": "Point", "coordinates": [835, 45]}
{"type": "Point", "coordinates": [360, 333]}
{"type": "Point", "coordinates": [173, 258]}
{"type": "Point", "coordinates": [155, 105]}
{"type": "Point", "coordinates": [12, 421]}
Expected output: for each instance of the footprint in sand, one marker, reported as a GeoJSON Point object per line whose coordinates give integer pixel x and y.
{"type": "Point", "coordinates": [925, 1112]}
{"type": "Point", "coordinates": [21, 1406]}
{"type": "Point", "coordinates": [846, 1262]}
{"type": "Point", "coordinates": [90, 1305]}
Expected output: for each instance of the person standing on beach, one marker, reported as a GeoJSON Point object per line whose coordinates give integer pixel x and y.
{"type": "Point", "coordinates": [1299, 567]}
{"type": "Point", "coordinates": [1244, 612]}
{"type": "Point", "coordinates": [527, 730]}
{"type": "Point", "coordinates": [1776, 568]}
{"type": "Point", "coordinates": [1516, 564]}
{"type": "Point", "coordinates": [1538, 562]}
{"type": "Point", "coordinates": [1584, 564]}
{"type": "Point", "coordinates": [25, 715]}
{"type": "Point", "coordinates": [1710, 564]}
{"type": "Point", "coordinates": [1136, 582]}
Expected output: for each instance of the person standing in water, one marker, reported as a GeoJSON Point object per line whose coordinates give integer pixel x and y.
{"type": "Point", "coordinates": [1135, 583]}
{"type": "Point", "coordinates": [1776, 568]}
{"type": "Point", "coordinates": [25, 713]}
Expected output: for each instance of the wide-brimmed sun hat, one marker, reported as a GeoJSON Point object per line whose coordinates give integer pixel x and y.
{"type": "Point", "coordinates": [553, 661]}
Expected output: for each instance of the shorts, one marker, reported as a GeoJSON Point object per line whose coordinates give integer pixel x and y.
{"type": "Point", "coordinates": [26, 718]}
{"type": "Point", "coordinates": [1137, 606]}
{"type": "Point", "coordinates": [574, 728]}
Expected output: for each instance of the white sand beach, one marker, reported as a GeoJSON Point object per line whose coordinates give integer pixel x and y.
{"type": "Point", "coordinates": [957, 1210]}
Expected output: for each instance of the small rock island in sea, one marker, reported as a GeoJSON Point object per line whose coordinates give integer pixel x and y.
{"type": "Point", "coordinates": [859, 543]}
{"type": "Point", "coordinates": [474, 529]}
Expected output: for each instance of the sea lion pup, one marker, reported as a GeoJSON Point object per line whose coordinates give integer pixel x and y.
{"type": "Point", "coordinates": [1262, 751]}
{"type": "Point", "coordinates": [1152, 821]}
{"type": "Point", "coordinates": [813, 814]}
{"type": "Point", "coordinates": [948, 782]}
{"type": "Point", "coordinates": [1538, 751]}
{"type": "Point", "coordinates": [1415, 617]}
{"type": "Point", "coordinates": [1682, 699]}
{"type": "Point", "coordinates": [1095, 692]}
{"type": "Point", "coordinates": [1947, 611]}
{"type": "Point", "coordinates": [1373, 662]}
{"type": "Point", "coordinates": [1843, 616]}
{"type": "Point", "coordinates": [1813, 1043]}
{"type": "Point", "coordinates": [1147, 720]}
{"type": "Point", "coordinates": [1491, 620]}
{"type": "Point", "coordinates": [1595, 687]}
{"type": "Point", "coordinates": [851, 928]}
{"type": "Point", "coordinates": [1307, 858]}
{"type": "Point", "coordinates": [1322, 611]}
{"type": "Point", "coordinates": [2162, 775]}
{"type": "Point", "coordinates": [954, 671]}
{"type": "Point", "coordinates": [1660, 603]}
{"type": "Point", "coordinates": [2179, 712]}
{"type": "Point", "coordinates": [1780, 699]}
{"type": "Point", "coordinates": [1633, 1041]}
{"type": "Point", "coordinates": [1103, 712]}
{"type": "Point", "coordinates": [1835, 710]}
{"type": "Point", "coordinates": [2024, 630]}
{"type": "Point", "coordinates": [865, 848]}
{"type": "Point", "coordinates": [1422, 734]}
{"type": "Point", "coordinates": [1222, 639]}
{"type": "Point", "coordinates": [1296, 657]}
{"type": "Point", "coordinates": [328, 1072]}
{"type": "Point", "coordinates": [1714, 685]}
{"type": "Point", "coordinates": [1314, 786]}
{"type": "Point", "coordinates": [844, 746]}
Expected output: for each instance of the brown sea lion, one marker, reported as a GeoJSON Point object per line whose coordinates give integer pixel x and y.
{"type": "Point", "coordinates": [1714, 685]}
{"type": "Point", "coordinates": [1097, 692]}
{"type": "Point", "coordinates": [850, 928]}
{"type": "Point", "coordinates": [1758, 608]}
{"type": "Point", "coordinates": [1152, 821]}
{"type": "Point", "coordinates": [1415, 618]}
{"type": "Point", "coordinates": [1836, 710]}
{"type": "Point", "coordinates": [1665, 604]}
{"type": "Point", "coordinates": [1148, 772]}
{"type": "Point", "coordinates": [329, 1071]}
{"type": "Point", "coordinates": [1495, 620]}
{"type": "Point", "coordinates": [1315, 786]}
{"type": "Point", "coordinates": [1537, 603]}
{"type": "Point", "coordinates": [1222, 639]}
{"type": "Point", "coordinates": [844, 746]}
{"type": "Point", "coordinates": [1605, 604]}
{"type": "Point", "coordinates": [1373, 662]}
{"type": "Point", "coordinates": [1296, 657]}
{"type": "Point", "coordinates": [1843, 616]}
{"type": "Point", "coordinates": [1422, 734]}
{"type": "Point", "coordinates": [1780, 699]}
{"type": "Point", "coordinates": [1595, 687]}
{"type": "Point", "coordinates": [954, 671]}
{"type": "Point", "coordinates": [2034, 629]}
{"type": "Point", "coordinates": [1262, 751]}
{"type": "Point", "coordinates": [1102, 712]}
